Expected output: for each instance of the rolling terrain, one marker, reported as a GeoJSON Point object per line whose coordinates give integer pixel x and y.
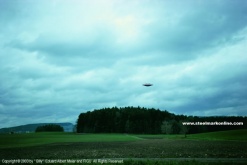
{"type": "Point", "coordinates": [68, 127]}
{"type": "Point", "coordinates": [224, 146]}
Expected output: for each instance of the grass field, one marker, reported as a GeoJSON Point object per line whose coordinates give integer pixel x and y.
{"type": "Point", "coordinates": [33, 139]}
{"type": "Point", "coordinates": [140, 148]}
{"type": "Point", "coordinates": [237, 135]}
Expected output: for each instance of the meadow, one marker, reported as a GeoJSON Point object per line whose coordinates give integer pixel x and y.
{"type": "Point", "coordinates": [35, 139]}
{"type": "Point", "coordinates": [207, 148]}
{"type": "Point", "coordinates": [234, 135]}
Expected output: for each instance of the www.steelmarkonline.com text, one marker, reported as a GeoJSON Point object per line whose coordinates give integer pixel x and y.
{"type": "Point", "coordinates": [213, 123]}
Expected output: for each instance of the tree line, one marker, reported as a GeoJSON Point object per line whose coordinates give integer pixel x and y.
{"type": "Point", "coordinates": [142, 120]}
{"type": "Point", "coordinates": [49, 128]}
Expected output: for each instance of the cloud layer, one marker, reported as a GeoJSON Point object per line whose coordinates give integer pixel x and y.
{"type": "Point", "coordinates": [61, 58]}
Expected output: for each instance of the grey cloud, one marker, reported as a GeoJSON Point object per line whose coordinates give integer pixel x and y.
{"type": "Point", "coordinates": [58, 64]}
{"type": "Point", "coordinates": [197, 30]}
{"type": "Point", "coordinates": [68, 46]}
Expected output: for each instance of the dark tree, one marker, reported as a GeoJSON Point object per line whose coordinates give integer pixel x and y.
{"type": "Point", "coordinates": [122, 120]}
{"type": "Point", "coordinates": [49, 128]}
{"type": "Point", "coordinates": [148, 121]}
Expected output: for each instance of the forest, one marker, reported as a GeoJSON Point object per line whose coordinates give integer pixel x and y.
{"type": "Point", "coordinates": [49, 128]}
{"type": "Point", "coordinates": [140, 120]}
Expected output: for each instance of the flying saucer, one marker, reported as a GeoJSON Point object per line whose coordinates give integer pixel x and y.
{"type": "Point", "coordinates": [147, 84]}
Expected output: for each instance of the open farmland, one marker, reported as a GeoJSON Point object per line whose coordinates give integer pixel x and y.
{"type": "Point", "coordinates": [232, 135]}
{"type": "Point", "coordinates": [85, 146]}
{"type": "Point", "coordinates": [35, 139]}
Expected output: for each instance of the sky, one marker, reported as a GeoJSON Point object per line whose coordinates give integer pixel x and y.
{"type": "Point", "coordinates": [59, 58]}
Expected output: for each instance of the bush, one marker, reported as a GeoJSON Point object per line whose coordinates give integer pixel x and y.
{"type": "Point", "coordinates": [49, 128]}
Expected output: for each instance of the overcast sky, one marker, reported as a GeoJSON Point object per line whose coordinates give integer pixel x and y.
{"type": "Point", "coordinates": [61, 58]}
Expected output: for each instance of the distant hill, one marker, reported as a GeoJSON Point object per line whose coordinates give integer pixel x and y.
{"type": "Point", "coordinates": [68, 127]}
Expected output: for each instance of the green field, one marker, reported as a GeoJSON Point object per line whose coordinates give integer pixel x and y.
{"type": "Point", "coordinates": [206, 148]}
{"type": "Point", "coordinates": [33, 139]}
{"type": "Point", "coordinates": [237, 135]}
